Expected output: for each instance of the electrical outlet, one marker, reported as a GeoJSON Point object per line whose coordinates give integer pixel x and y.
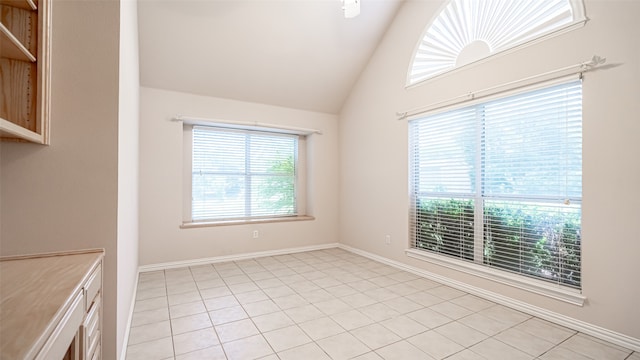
{"type": "Point", "coordinates": [256, 234]}
{"type": "Point", "coordinates": [387, 239]}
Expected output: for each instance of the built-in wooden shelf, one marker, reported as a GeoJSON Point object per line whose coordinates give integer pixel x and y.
{"type": "Point", "coordinates": [24, 70]}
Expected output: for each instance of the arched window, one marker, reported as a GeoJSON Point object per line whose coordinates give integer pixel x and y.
{"type": "Point", "coordinates": [469, 30]}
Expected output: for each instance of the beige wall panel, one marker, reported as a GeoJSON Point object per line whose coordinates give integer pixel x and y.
{"type": "Point", "coordinates": [128, 123]}
{"type": "Point", "coordinates": [162, 239]}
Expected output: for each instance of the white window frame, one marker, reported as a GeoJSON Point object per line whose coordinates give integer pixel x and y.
{"type": "Point", "coordinates": [301, 173]}
{"type": "Point", "coordinates": [556, 291]}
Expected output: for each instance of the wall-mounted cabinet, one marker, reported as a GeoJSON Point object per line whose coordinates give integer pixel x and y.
{"type": "Point", "coordinates": [25, 70]}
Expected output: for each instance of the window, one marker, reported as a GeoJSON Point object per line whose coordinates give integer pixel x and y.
{"type": "Point", "coordinates": [241, 174]}
{"type": "Point", "coordinates": [500, 183]}
{"type": "Point", "coordinates": [469, 30]}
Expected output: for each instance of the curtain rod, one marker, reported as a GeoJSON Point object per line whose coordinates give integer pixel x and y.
{"type": "Point", "coordinates": [245, 125]}
{"type": "Point", "coordinates": [547, 76]}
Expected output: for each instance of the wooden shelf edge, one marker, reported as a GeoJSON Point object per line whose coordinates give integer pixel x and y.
{"type": "Point", "coordinates": [44, 71]}
{"type": "Point", "coordinates": [24, 4]}
{"type": "Point", "coordinates": [12, 131]}
{"type": "Point", "coordinates": [51, 254]}
{"type": "Point", "coordinates": [18, 51]}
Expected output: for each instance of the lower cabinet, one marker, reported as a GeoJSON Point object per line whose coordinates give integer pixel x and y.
{"type": "Point", "coordinates": [82, 323]}
{"type": "Point", "coordinates": [52, 306]}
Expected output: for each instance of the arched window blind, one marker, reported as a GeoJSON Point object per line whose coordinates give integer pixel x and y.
{"type": "Point", "coordinates": [469, 30]}
{"type": "Point", "coordinates": [500, 183]}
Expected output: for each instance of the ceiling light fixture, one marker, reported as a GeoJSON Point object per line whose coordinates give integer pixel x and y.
{"type": "Point", "coordinates": [351, 8]}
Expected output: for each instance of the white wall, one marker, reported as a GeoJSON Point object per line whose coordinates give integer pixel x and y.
{"type": "Point", "coordinates": [128, 121]}
{"type": "Point", "coordinates": [162, 240]}
{"type": "Point", "coordinates": [64, 196]}
{"type": "Point", "coordinates": [374, 148]}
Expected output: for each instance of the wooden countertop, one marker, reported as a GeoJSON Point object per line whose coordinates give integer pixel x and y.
{"type": "Point", "coordinates": [35, 293]}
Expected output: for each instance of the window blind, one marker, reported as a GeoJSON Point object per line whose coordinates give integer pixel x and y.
{"type": "Point", "coordinates": [239, 174]}
{"type": "Point", "coordinates": [493, 25]}
{"type": "Point", "coordinates": [500, 183]}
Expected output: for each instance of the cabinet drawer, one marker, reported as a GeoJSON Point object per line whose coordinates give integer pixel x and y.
{"type": "Point", "coordinates": [95, 345]}
{"type": "Point", "coordinates": [90, 331]}
{"type": "Point", "coordinates": [98, 354]}
{"type": "Point", "coordinates": [93, 286]}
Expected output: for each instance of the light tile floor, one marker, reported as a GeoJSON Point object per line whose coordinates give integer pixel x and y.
{"type": "Point", "coordinates": [333, 304]}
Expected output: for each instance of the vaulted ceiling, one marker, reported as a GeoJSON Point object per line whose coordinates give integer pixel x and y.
{"type": "Point", "coordinates": [299, 54]}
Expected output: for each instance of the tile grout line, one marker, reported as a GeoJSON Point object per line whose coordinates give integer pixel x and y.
{"type": "Point", "coordinates": [215, 331]}
{"type": "Point", "coordinates": [173, 346]}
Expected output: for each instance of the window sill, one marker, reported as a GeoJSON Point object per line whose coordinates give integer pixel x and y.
{"type": "Point", "coordinates": [572, 296]}
{"type": "Point", "coordinates": [200, 224]}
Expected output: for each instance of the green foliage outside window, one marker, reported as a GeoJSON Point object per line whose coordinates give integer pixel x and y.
{"type": "Point", "coordinates": [531, 240]}
{"type": "Point", "coordinates": [277, 192]}
{"type": "Point", "coordinates": [446, 227]}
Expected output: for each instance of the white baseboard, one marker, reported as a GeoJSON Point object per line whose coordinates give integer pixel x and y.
{"type": "Point", "coordinates": [235, 257]}
{"type": "Point", "coordinates": [569, 322]}
{"type": "Point", "coordinates": [125, 343]}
